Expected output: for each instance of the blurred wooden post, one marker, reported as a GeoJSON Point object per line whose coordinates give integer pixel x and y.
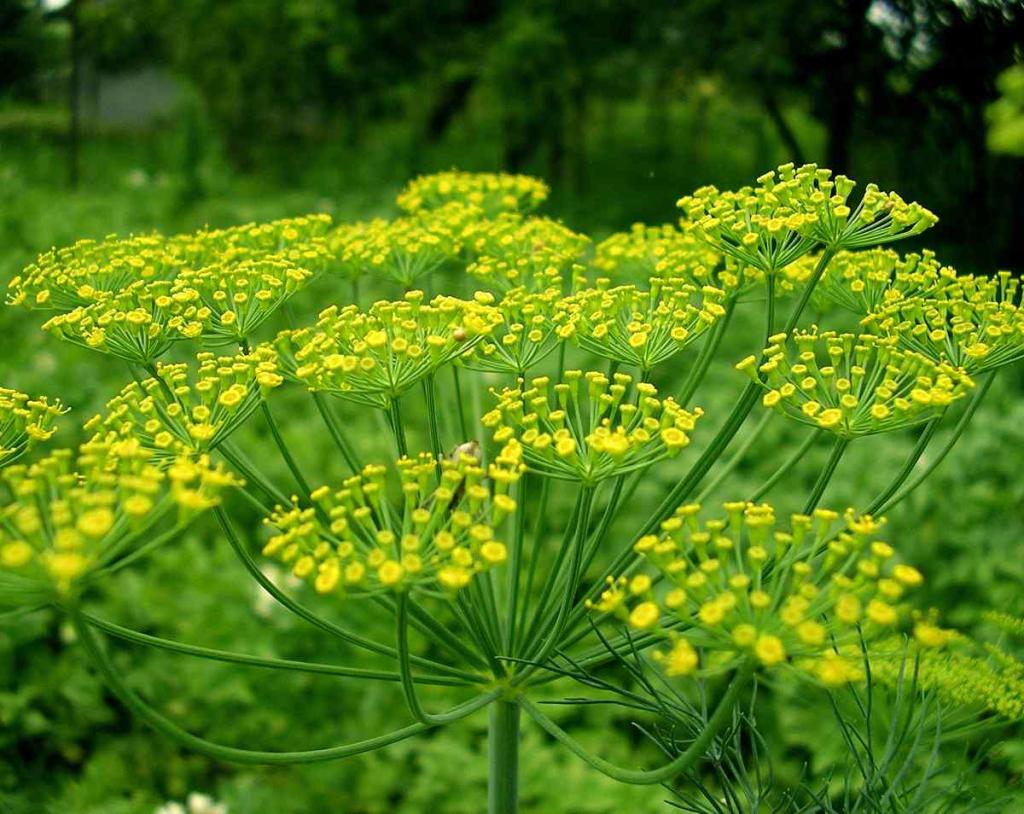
{"type": "Point", "coordinates": [74, 94]}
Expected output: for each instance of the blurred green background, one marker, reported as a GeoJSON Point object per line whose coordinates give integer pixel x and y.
{"type": "Point", "coordinates": [120, 116]}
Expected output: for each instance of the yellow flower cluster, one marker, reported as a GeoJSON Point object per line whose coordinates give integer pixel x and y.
{"type": "Point", "coordinates": [355, 542]}
{"type": "Point", "coordinates": [641, 327]}
{"type": "Point", "coordinates": [976, 323]}
{"type": "Point", "coordinates": [795, 208]}
{"type": "Point", "coordinates": [492, 193]}
{"type": "Point", "coordinates": [300, 240]}
{"type": "Point", "coordinates": [373, 356]}
{"type": "Point", "coordinates": [525, 336]}
{"type": "Point", "coordinates": [610, 428]}
{"type": "Point", "coordinates": [405, 249]}
{"type": "Point", "coordinates": [73, 515]}
{"type": "Point", "coordinates": [225, 303]}
{"type": "Point", "coordinates": [863, 282]}
{"type": "Point", "coordinates": [73, 276]}
{"type": "Point", "coordinates": [739, 587]}
{"type": "Point", "coordinates": [24, 421]}
{"type": "Point", "coordinates": [853, 385]}
{"type": "Point", "coordinates": [212, 285]}
{"type": "Point", "coordinates": [185, 410]}
{"type": "Point", "coordinates": [511, 251]}
{"type": "Point", "coordinates": [663, 251]}
{"type": "Point", "coordinates": [87, 272]}
{"type": "Point", "coordinates": [139, 323]}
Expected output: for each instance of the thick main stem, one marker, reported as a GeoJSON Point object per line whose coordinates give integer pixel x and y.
{"type": "Point", "coordinates": [503, 758]}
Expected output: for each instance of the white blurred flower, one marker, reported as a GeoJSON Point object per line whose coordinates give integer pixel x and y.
{"type": "Point", "coordinates": [203, 804]}
{"type": "Point", "coordinates": [171, 808]}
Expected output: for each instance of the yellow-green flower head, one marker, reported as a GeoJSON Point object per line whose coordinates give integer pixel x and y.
{"type": "Point", "coordinates": [795, 208]}
{"type": "Point", "coordinates": [373, 356]}
{"type": "Point", "coordinates": [346, 243]}
{"type": "Point", "coordinates": [511, 251]}
{"type": "Point", "coordinates": [190, 409]}
{"type": "Point", "coordinates": [588, 428]}
{"type": "Point", "coordinates": [24, 422]}
{"type": "Point", "coordinates": [225, 303]}
{"type": "Point", "coordinates": [73, 276]}
{"type": "Point", "coordinates": [71, 516]}
{"type": "Point", "coordinates": [853, 385]}
{"type": "Point", "coordinates": [493, 193]}
{"type": "Point", "coordinates": [356, 542]}
{"type": "Point", "coordinates": [641, 327]}
{"type": "Point", "coordinates": [975, 323]}
{"type": "Point", "coordinates": [966, 674]}
{"type": "Point", "coordinates": [863, 282]}
{"type": "Point", "coordinates": [302, 240]}
{"type": "Point", "coordinates": [139, 323]}
{"type": "Point", "coordinates": [526, 335]}
{"type": "Point", "coordinates": [657, 251]}
{"type": "Point", "coordinates": [739, 586]}
{"type": "Point", "coordinates": [405, 249]}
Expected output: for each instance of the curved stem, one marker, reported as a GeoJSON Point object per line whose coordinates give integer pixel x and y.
{"type": "Point", "coordinates": [826, 474]}
{"type": "Point", "coordinates": [730, 465]}
{"type": "Point", "coordinates": [406, 677]}
{"type": "Point", "coordinates": [958, 430]}
{"type": "Point", "coordinates": [129, 635]}
{"type": "Point", "coordinates": [324, 408]}
{"type": "Point", "coordinates": [787, 465]}
{"type": "Point", "coordinates": [684, 762]}
{"type": "Point", "coordinates": [707, 353]}
{"type": "Point", "coordinates": [218, 751]}
{"type": "Point", "coordinates": [307, 615]}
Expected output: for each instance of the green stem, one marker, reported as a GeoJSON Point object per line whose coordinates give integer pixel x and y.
{"type": "Point", "coordinates": [252, 475]}
{"type": "Point", "coordinates": [707, 353]}
{"type": "Point", "coordinates": [218, 751]}
{"type": "Point", "coordinates": [695, 751]}
{"type": "Point", "coordinates": [307, 615]}
{"type": "Point", "coordinates": [129, 635]}
{"type": "Point", "coordinates": [958, 430]}
{"type": "Point", "coordinates": [324, 408]}
{"type": "Point", "coordinates": [548, 635]}
{"type": "Point", "coordinates": [286, 454]}
{"type": "Point", "coordinates": [826, 474]}
{"type": "Point", "coordinates": [503, 758]}
{"type": "Point", "coordinates": [463, 430]}
{"type": "Point", "coordinates": [514, 565]}
{"type": "Point", "coordinates": [908, 466]}
{"type": "Point", "coordinates": [397, 428]}
{"type": "Point", "coordinates": [730, 465]}
{"type": "Point", "coordinates": [787, 465]}
{"type": "Point", "coordinates": [435, 433]}
{"type": "Point", "coordinates": [406, 677]}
